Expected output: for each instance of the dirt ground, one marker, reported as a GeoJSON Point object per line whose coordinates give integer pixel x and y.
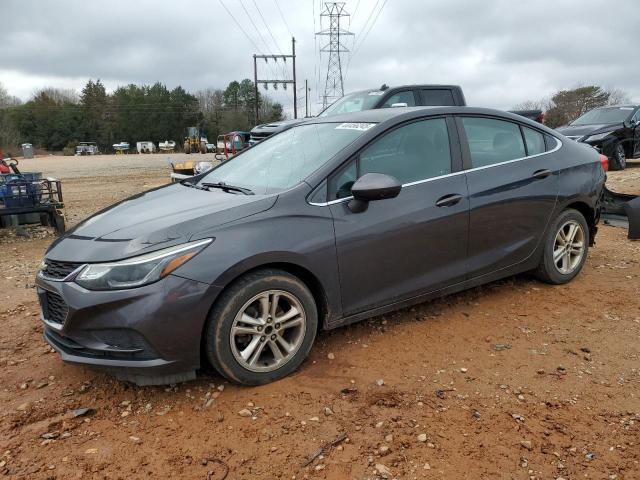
{"type": "Point", "coordinates": [513, 380]}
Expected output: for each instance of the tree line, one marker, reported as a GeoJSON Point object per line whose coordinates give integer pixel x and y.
{"type": "Point", "coordinates": [565, 106]}
{"type": "Point", "coordinates": [57, 119]}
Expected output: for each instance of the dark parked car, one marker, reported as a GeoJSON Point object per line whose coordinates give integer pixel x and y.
{"type": "Point", "coordinates": [330, 222]}
{"type": "Point", "coordinates": [614, 131]}
{"type": "Point", "coordinates": [383, 97]}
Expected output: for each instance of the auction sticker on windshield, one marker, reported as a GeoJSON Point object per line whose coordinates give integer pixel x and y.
{"type": "Point", "coordinates": [363, 127]}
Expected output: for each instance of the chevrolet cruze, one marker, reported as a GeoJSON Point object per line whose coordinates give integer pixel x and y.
{"type": "Point", "coordinates": [330, 222]}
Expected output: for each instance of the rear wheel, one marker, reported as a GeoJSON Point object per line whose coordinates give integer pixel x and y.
{"type": "Point", "coordinates": [565, 248]}
{"type": "Point", "coordinates": [262, 327]}
{"type": "Point", "coordinates": [619, 159]}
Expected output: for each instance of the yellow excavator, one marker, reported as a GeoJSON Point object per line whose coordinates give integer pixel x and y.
{"type": "Point", "coordinates": [194, 141]}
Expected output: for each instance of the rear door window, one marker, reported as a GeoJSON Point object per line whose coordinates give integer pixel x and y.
{"type": "Point", "coordinates": [432, 97]}
{"type": "Point", "coordinates": [534, 141]}
{"type": "Point", "coordinates": [492, 141]}
{"type": "Point", "coordinates": [401, 97]}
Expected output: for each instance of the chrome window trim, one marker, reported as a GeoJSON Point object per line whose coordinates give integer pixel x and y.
{"type": "Point", "coordinates": [419, 182]}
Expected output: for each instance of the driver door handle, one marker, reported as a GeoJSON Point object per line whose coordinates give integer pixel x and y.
{"type": "Point", "coordinates": [449, 200]}
{"type": "Point", "coordinates": [541, 173]}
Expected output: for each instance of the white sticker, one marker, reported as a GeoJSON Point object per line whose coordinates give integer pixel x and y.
{"type": "Point", "coordinates": [363, 127]}
{"type": "Point", "coordinates": [626, 108]}
{"type": "Point", "coordinates": [377, 92]}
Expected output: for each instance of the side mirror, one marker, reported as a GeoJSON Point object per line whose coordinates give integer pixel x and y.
{"type": "Point", "coordinates": [630, 123]}
{"type": "Point", "coordinates": [373, 186]}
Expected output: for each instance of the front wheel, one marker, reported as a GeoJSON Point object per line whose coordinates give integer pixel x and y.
{"type": "Point", "coordinates": [565, 248]}
{"type": "Point", "coordinates": [262, 327]}
{"type": "Point", "coordinates": [619, 159]}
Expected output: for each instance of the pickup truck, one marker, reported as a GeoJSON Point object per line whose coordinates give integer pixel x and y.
{"type": "Point", "coordinates": [385, 97]}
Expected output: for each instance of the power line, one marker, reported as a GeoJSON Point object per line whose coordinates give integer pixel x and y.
{"type": "Point", "coordinates": [357, 47]}
{"type": "Point", "coordinates": [254, 25]}
{"type": "Point", "coordinates": [364, 27]}
{"type": "Point", "coordinates": [284, 19]}
{"type": "Point", "coordinates": [240, 27]}
{"type": "Point", "coordinates": [273, 72]}
{"type": "Point", "coordinates": [355, 10]}
{"type": "Point", "coordinates": [268, 29]}
{"type": "Point", "coordinates": [370, 27]}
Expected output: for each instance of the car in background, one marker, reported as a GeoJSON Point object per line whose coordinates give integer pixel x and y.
{"type": "Point", "coordinates": [613, 131]}
{"type": "Point", "coordinates": [337, 219]}
{"type": "Point", "coordinates": [87, 148]}
{"type": "Point", "coordinates": [383, 97]}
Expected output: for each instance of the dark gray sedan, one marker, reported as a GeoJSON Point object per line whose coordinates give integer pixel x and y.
{"type": "Point", "coordinates": [333, 221]}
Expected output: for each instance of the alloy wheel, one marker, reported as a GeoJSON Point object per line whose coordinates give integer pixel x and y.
{"type": "Point", "coordinates": [268, 331]}
{"type": "Point", "coordinates": [569, 247]}
{"type": "Point", "coordinates": [621, 157]}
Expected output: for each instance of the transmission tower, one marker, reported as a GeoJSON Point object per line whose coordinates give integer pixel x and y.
{"type": "Point", "coordinates": [333, 12]}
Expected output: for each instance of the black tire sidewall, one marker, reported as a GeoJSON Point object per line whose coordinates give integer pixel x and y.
{"type": "Point", "coordinates": [617, 164]}
{"type": "Point", "coordinates": [550, 270]}
{"type": "Point", "coordinates": [217, 332]}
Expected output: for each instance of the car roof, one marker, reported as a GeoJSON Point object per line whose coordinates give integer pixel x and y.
{"type": "Point", "coordinates": [398, 87]}
{"type": "Point", "coordinates": [405, 113]}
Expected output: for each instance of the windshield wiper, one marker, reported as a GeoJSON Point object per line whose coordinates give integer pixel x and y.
{"type": "Point", "coordinates": [193, 185]}
{"type": "Point", "coordinates": [226, 187]}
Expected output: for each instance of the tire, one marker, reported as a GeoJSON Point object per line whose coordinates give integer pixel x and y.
{"type": "Point", "coordinates": [228, 338]}
{"type": "Point", "coordinates": [569, 263]}
{"type": "Point", "coordinates": [619, 159]}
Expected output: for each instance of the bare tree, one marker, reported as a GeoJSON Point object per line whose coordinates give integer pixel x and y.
{"type": "Point", "coordinates": [7, 100]}
{"type": "Point", "coordinates": [617, 96]}
{"type": "Point", "coordinates": [59, 95]}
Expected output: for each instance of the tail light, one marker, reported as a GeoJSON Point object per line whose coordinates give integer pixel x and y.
{"type": "Point", "coordinates": [604, 161]}
{"type": "Point", "coordinates": [541, 118]}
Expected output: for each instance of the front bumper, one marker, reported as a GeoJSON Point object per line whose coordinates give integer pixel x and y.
{"type": "Point", "coordinates": [148, 335]}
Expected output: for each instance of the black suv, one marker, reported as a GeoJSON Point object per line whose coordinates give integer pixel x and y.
{"type": "Point", "coordinates": [614, 131]}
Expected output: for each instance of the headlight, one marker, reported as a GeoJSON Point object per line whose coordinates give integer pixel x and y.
{"type": "Point", "coordinates": [138, 271]}
{"type": "Point", "coordinates": [598, 136]}
{"type": "Point", "coordinates": [202, 167]}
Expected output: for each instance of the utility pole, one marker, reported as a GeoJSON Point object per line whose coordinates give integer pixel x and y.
{"type": "Point", "coordinates": [306, 98]}
{"type": "Point", "coordinates": [295, 92]}
{"type": "Point", "coordinates": [275, 82]}
{"type": "Point", "coordinates": [334, 85]}
{"type": "Point", "coordinates": [255, 84]}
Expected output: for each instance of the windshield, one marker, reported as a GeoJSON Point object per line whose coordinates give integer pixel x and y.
{"type": "Point", "coordinates": [354, 102]}
{"type": "Point", "coordinates": [285, 159]}
{"type": "Point", "coordinates": [604, 115]}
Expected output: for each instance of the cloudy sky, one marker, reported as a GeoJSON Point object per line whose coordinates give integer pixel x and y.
{"type": "Point", "coordinates": [502, 52]}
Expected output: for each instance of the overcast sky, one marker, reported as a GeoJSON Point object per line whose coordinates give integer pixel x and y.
{"type": "Point", "coordinates": [502, 52]}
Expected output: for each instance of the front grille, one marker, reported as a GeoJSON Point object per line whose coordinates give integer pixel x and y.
{"type": "Point", "coordinates": [54, 308]}
{"type": "Point", "coordinates": [58, 270]}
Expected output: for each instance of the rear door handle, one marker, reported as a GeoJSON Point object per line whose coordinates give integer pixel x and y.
{"type": "Point", "coordinates": [541, 173]}
{"type": "Point", "coordinates": [448, 200]}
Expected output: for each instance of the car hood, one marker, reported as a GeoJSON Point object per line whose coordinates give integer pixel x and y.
{"type": "Point", "coordinates": [275, 127]}
{"type": "Point", "coordinates": [581, 130]}
{"type": "Point", "coordinates": [155, 219]}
